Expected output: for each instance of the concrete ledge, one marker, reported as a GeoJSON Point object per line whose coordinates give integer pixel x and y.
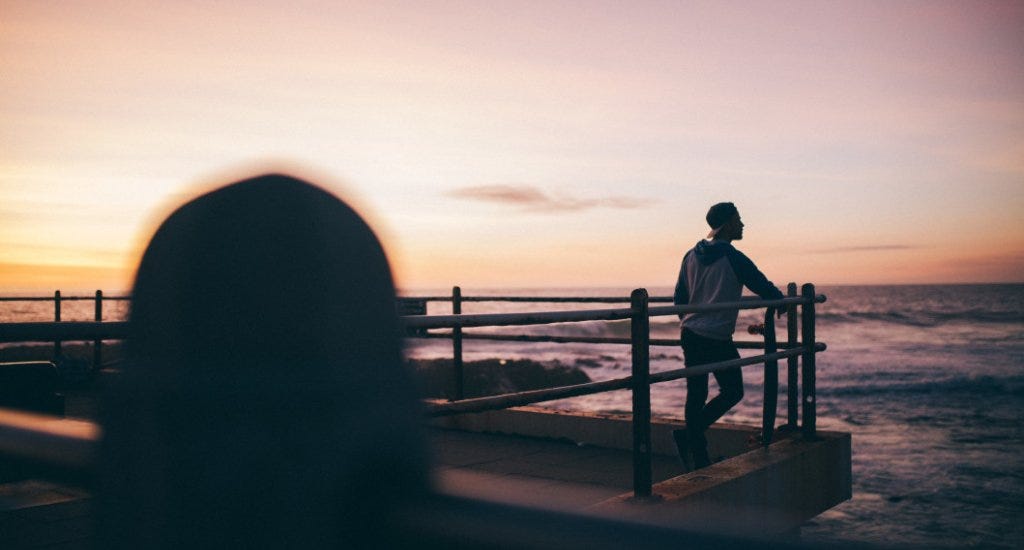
{"type": "Point", "coordinates": [752, 491]}
{"type": "Point", "coordinates": [771, 490]}
{"type": "Point", "coordinates": [37, 514]}
{"type": "Point", "coordinates": [613, 431]}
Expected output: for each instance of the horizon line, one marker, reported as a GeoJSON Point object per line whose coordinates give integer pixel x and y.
{"type": "Point", "coordinates": [405, 292]}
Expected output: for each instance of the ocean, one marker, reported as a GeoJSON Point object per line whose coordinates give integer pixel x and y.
{"type": "Point", "coordinates": [928, 379]}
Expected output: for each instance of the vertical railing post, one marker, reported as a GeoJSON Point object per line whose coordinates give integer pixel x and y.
{"type": "Point", "coordinates": [771, 379]}
{"type": "Point", "coordinates": [460, 381]}
{"type": "Point", "coordinates": [793, 363]}
{"type": "Point", "coordinates": [97, 345]}
{"type": "Point", "coordinates": [56, 319]}
{"type": "Point", "coordinates": [641, 337]}
{"type": "Point", "coordinates": [807, 336]}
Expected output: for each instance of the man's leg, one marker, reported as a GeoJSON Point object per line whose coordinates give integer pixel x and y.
{"type": "Point", "coordinates": [696, 394]}
{"type": "Point", "coordinates": [730, 385]}
{"type": "Point", "coordinates": [692, 437]}
{"type": "Point", "coordinates": [695, 350]}
{"type": "Point", "coordinates": [703, 351]}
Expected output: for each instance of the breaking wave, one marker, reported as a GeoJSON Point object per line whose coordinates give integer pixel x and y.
{"type": "Point", "coordinates": [923, 318]}
{"type": "Point", "coordinates": [979, 386]}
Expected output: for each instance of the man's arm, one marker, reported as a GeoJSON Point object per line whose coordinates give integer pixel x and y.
{"type": "Point", "coordinates": [752, 278]}
{"type": "Point", "coordinates": [682, 294]}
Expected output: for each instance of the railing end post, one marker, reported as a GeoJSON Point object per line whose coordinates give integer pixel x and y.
{"type": "Point", "coordinates": [641, 337]}
{"type": "Point", "coordinates": [97, 345]}
{"type": "Point", "coordinates": [792, 363]}
{"type": "Point", "coordinates": [638, 293]}
{"type": "Point", "coordinates": [459, 391]}
{"type": "Point", "coordinates": [57, 351]}
{"type": "Point", "coordinates": [807, 323]}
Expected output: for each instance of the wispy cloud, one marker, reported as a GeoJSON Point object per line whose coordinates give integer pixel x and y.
{"type": "Point", "coordinates": [866, 248]}
{"type": "Point", "coordinates": [527, 197]}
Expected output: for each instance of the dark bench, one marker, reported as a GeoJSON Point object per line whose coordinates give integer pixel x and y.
{"type": "Point", "coordinates": [31, 386]}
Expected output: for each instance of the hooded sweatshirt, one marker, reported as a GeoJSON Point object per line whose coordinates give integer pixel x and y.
{"type": "Point", "coordinates": [714, 272]}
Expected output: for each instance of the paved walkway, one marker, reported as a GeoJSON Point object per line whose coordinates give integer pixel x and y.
{"type": "Point", "coordinates": [542, 473]}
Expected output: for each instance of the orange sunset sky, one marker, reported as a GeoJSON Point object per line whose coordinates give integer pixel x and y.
{"type": "Point", "coordinates": [527, 144]}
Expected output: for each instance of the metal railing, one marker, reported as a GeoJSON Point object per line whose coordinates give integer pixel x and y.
{"type": "Point", "coordinates": [641, 378]}
{"type": "Point", "coordinates": [57, 300]}
{"type": "Point", "coordinates": [458, 336]}
{"type": "Point", "coordinates": [19, 440]}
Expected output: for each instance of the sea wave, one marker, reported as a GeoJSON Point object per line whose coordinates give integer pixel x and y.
{"type": "Point", "coordinates": [922, 318]}
{"type": "Point", "coordinates": [976, 386]}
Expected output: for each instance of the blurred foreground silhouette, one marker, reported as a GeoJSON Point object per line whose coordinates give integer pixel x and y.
{"type": "Point", "coordinates": [263, 400]}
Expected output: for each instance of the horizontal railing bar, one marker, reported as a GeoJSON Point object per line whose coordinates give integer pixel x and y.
{"type": "Point", "coordinates": [568, 316]}
{"type": "Point", "coordinates": [748, 303]}
{"type": "Point", "coordinates": [541, 299]}
{"type": "Point", "coordinates": [118, 330]}
{"type": "Point", "coordinates": [529, 299]}
{"type": "Point", "coordinates": [572, 339]}
{"type": "Point", "coordinates": [63, 330]}
{"type": "Point", "coordinates": [427, 298]}
{"type": "Point", "coordinates": [47, 331]}
{"type": "Point", "coordinates": [51, 440]}
{"type": "Point", "coordinates": [62, 298]}
{"type": "Point", "coordinates": [551, 299]}
{"type": "Point", "coordinates": [496, 402]}
{"type": "Point", "coordinates": [567, 299]}
{"type": "Point", "coordinates": [739, 345]}
{"type": "Point", "coordinates": [535, 299]}
{"type": "Point", "coordinates": [687, 372]}
{"type": "Point", "coordinates": [504, 401]}
{"type": "Point", "coordinates": [510, 319]}
{"type": "Point", "coordinates": [43, 331]}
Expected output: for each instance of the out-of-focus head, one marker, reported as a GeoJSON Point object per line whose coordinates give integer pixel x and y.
{"type": "Point", "coordinates": [263, 391]}
{"type": "Point", "coordinates": [256, 278]}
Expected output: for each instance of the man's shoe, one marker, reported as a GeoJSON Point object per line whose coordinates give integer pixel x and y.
{"type": "Point", "coordinates": [683, 446]}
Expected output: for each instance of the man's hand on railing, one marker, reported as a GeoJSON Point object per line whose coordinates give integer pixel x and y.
{"type": "Point", "coordinates": [758, 328]}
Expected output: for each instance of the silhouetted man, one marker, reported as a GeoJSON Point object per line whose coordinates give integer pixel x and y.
{"type": "Point", "coordinates": [712, 272]}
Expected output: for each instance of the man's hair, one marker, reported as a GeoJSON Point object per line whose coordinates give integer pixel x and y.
{"type": "Point", "coordinates": [720, 214]}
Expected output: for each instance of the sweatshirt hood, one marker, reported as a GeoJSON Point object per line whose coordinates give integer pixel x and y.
{"type": "Point", "coordinates": [708, 252]}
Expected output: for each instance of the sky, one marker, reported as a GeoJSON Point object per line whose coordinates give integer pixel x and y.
{"type": "Point", "coordinates": [527, 144]}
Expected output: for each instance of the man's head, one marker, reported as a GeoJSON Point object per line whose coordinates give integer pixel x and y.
{"type": "Point", "coordinates": [725, 222]}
